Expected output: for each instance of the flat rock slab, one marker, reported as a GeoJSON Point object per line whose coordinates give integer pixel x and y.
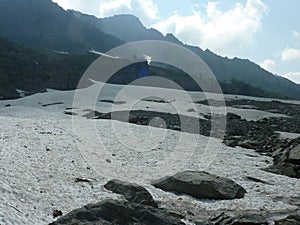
{"type": "Point", "coordinates": [112, 212]}
{"type": "Point", "coordinates": [201, 185]}
{"type": "Point", "coordinates": [132, 192]}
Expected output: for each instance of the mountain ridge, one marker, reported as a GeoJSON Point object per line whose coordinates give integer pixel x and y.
{"type": "Point", "coordinates": [45, 26]}
{"type": "Point", "coordinates": [225, 69]}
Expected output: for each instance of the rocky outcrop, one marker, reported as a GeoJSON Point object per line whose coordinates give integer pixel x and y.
{"type": "Point", "coordinates": [112, 212]}
{"type": "Point", "coordinates": [132, 192]}
{"type": "Point", "coordinates": [287, 162]}
{"type": "Point", "coordinates": [201, 185]}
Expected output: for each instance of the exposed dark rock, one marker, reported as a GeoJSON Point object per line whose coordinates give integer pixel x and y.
{"type": "Point", "coordinates": [290, 220]}
{"type": "Point", "coordinates": [82, 180]}
{"type": "Point", "coordinates": [287, 160]}
{"type": "Point", "coordinates": [143, 117]}
{"type": "Point", "coordinates": [112, 102]}
{"type": "Point", "coordinates": [51, 104]}
{"type": "Point", "coordinates": [57, 213]}
{"type": "Point", "coordinates": [70, 113]}
{"type": "Point", "coordinates": [256, 180]}
{"type": "Point", "coordinates": [157, 100]}
{"type": "Point", "coordinates": [132, 192]}
{"type": "Point", "coordinates": [233, 116]}
{"type": "Point", "coordinates": [111, 212]}
{"type": "Point", "coordinates": [286, 169]}
{"type": "Point", "coordinates": [249, 219]}
{"type": "Point", "coordinates": [243, 219]}
{"type": "Point", "coordinates": [191, 110]}
{"type": "Point", "coordinates": [201, 185]}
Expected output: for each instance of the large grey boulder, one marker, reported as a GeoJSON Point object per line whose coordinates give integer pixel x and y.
{"type": "Point", "coordinates": [132, 192]}
{"type": "Point", "coordinates": [201, 185]}
{"type": "Point", "coordinates": [112, 212]}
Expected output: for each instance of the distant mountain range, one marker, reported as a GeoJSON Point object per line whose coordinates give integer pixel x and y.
{"type": "Point", "coordinates": [43, 27]}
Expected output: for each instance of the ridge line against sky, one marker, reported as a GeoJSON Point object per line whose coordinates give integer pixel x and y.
{"type": "Point", "coordinates": [264, 31]}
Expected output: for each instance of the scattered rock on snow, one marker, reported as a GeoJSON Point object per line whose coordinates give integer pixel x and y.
{"type": "Point", "coordinates": [51, 104]}
{"type": "Point", "coordinates": [255, 180]}
{"type": "Point", "coordinates": [201, 185]}
{"type": "Point", "coordinates": [112, 102]}
{"type": "Point", "coordinates": [83, 180]}
{"type": "Point", "coordinates": [132, 192]}
{"type": "Point", "coordinates": [57, 213]}
{"type": "Point", "coordinates": [70, 113]}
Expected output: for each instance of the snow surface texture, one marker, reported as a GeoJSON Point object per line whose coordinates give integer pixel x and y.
{"type": "Point", "coordinates": [41, 156]}
{"type": "Point", "coordinates": [132, 97]}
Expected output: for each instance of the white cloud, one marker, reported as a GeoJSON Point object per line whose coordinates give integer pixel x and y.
{"type": "Point", "coordinates": [146, 10]}
{"type": "Point", "coordinates": [290, 54]}
{"type": "Point", "coordinates": [294, 76]}
{"type": "Point", "coordinates": [296, 34]}
{"type": "Point", "coordinates": [149, 8]}
{"type": "Point", "coordinates": [268, 65]}
{"type": "Point", "coordinates": [111, 7]}
{"type": "Point", "coordinates": [223, 32]}
{"type": "Point", "coordinates": [63, 3]}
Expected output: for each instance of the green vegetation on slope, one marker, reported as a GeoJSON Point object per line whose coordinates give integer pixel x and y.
{"type": "Point", "coordinates": [32, 71]}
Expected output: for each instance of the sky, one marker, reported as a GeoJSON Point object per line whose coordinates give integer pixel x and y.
{"type": "Point", "coordinates": [265, 31]}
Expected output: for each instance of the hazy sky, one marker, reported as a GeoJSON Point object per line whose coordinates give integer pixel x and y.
{"type": "Point", "coordinates": [264, 31]}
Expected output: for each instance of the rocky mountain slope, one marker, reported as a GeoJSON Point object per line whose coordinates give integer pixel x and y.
{"type": "Point", "coordinates": [43, 24]}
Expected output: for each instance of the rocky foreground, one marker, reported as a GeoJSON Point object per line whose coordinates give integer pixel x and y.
{"type": "Point", "coordinates": [139, 207]}
{"type": "Point", "coordinates": [253, 178]}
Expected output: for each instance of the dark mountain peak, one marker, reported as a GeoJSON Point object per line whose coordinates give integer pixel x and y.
{"type": "Point", "coordinates": [171, 38]}
{"type": "Point", "coordinates": [125, 18]}
{"type": "Point", "coordinates": [43, 24]}
{"type": "Point", "coordinates": [129, 27]}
